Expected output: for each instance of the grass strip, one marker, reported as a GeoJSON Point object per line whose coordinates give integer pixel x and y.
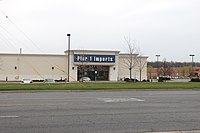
{"type": "Point", "coordinates": [99, 86]}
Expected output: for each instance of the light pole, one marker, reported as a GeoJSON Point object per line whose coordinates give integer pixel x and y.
{"type": "Point", "coordinates": [157, 64]}
{"type": "Point", "coordinates": [192, 55]}
{"type": "Point", "coordinates": [68, 62]}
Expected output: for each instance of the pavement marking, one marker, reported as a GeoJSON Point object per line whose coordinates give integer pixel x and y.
{"type": "Point", "coordinates": [110, 100]}
{"type": "Point", "coordinates": [11, 116]}
{"type": "Point", "coordinates": [193, 131]}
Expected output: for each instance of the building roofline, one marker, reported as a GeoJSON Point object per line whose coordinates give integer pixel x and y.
{"type": "Point", "coordinates": [64, 54]}
{"type": "Point", "coordinates": [28, 54]}
{"type": "Point", "coordinates": [107, 51]}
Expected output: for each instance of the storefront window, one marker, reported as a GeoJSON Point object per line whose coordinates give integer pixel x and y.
{"type": "Point", "coordinates": [95, 73]}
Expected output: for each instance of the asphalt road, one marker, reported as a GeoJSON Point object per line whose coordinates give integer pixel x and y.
{"type": "Point", "coordinates": [99, 112]}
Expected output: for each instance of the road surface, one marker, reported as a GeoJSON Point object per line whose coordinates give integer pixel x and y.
{"type": "Point", "coordinates": [100, 112]}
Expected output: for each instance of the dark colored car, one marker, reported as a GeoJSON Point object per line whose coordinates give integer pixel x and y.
{"type": "Point", "coordinates": [131, 80]}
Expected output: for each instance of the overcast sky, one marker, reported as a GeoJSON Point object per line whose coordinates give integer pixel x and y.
{"type": "Point", "coordinates": [170, 28]}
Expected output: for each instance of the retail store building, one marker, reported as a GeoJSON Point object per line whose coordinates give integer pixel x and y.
{"type": "Point", "coordinates": [98, 65]}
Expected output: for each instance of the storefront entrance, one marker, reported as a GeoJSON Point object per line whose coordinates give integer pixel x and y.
{"type": "Point", "coordinates": [95, 73]}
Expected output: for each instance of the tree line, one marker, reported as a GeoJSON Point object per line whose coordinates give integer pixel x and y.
{"type": "Point", "coordinates": [172, 69]}
{"type": "Point", "coordinates": [173, 64]}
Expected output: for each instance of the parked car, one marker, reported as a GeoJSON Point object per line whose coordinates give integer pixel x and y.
{"type": "Point", "coordinates": [26, 81]}
{"type": "Point", "coordinates": [83, 79]}
{"type": "Point", "coordinates": [131, 80]}
{"type": "Point", "coordinates": [49, 80]}
{"type": "Point", "coordinates": [164, 78]}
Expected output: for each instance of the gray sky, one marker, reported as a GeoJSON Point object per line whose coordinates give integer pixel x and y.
{"type": "Point", "coordinates": [170, 28]}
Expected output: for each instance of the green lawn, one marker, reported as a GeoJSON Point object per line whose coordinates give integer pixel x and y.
{"type": "Point", "coordinates": [99, 86]}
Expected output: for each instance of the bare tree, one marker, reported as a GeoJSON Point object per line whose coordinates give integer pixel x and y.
{"type": "Point", "coordinates": [132, 51]}
{"type": "Point", "coordinates": [141, 63]}
{"type": "Point", "coordinates": [165, 69]}
{"type": "Point", "coordinates": [185, 71]}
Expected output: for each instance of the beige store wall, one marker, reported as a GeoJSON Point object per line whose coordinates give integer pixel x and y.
{"type": "Point", "coordinates": [37, 67]}
{"type": "Point", "coordinates": [124, 69]}
{"type": "Point", "coordinates": [113, 72]}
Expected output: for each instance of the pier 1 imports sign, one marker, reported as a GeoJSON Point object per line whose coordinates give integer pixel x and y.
{"type": "Point", "coordinates": [94, 58]}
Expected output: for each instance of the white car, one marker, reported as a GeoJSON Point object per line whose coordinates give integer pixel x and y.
{"type": "Point", "coordinates": [26, 81]}
{"type": "Point", "coordinates": [83, 79]}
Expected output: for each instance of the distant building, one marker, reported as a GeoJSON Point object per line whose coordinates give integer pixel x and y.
{"type": "Point", "coordinates": [98, 65]}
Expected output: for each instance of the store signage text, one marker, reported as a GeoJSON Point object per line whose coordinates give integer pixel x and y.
{"type": "Point", "coordinates": [94, 58]}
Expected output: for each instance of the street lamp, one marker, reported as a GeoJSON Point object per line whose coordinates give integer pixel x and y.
{"type": "Point", "coordinates": [68, 63]}
{"type": "Point", "coordinates": [192, 55]}
{"type": "Point", "coordinates": [157, 63]}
